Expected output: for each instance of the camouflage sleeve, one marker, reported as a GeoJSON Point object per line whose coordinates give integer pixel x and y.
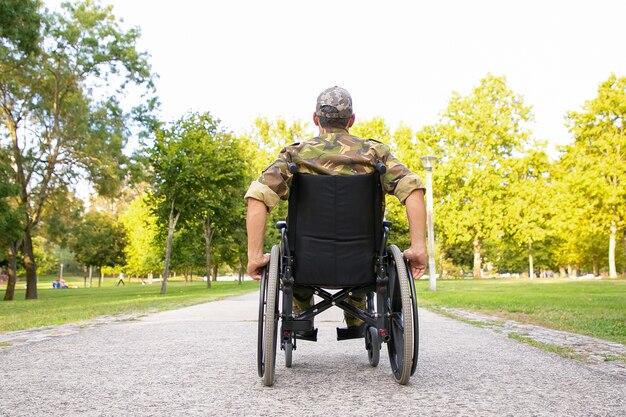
{"type": "Point", "coordinates": [398, 180]}
{"type": "Point", "coordinates": [262, 193]}
{"type": "Point", "coordinates": [273, 184]}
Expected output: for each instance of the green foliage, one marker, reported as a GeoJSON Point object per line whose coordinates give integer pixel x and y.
{"type": "Point", "coordinates": [10, 216]}
{"type": "Point", "coordinates": [45, 252]}
{"type": "Point", "coordinates": [20, 22]}
{"type": "Point", "coordinates": [99, 241]}
{"type": "Point", "coordinates": [594, 171]}
{"type": "Point", "coordinates": [262, 146]}
{"type": "Point", "coordinates": [200, 176]}
{"type": "Point", "coordinates": [142, 254]}
{"type": "Point", "coordinates": [375, 128]}
{"type": "Point", "coordinates": [67, 91]}
{"type": "Point", "coordinates": [477, 141]}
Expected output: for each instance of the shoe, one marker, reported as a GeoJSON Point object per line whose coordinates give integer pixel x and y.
{"type": "Point", "coordinates": [351, 332]}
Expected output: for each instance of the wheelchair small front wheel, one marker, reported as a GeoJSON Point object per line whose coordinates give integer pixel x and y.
{"type": "Point", "coordinates": [372, 344]}
{"type": "Point", "coordinates": [288, 346]}
{"type": "Point", "coordinates": [268, 320]}
{"type": "Point", "coordinates": [401, 345]}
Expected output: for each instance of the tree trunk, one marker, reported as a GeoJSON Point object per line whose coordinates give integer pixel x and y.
{"type": "Point", "coordinates": [562, 273]}
{"type": "Point", "coordinates": [10, 291]}
{"type": "Point", "coordinates": [624, 263]}
{"type": "Point", "coordinates": [173, 219]}
{"type": "Point", "coordinates": [30, 266]}
{"type": "Point", "coordinates": [215, 272]}
{"type": "Point", "coordinates": [90, 275]}
{"type": "Point", "coordinates": [530, 261]}
{"type": "Point", "coordinates": [208, 236]}
{"type": "Point", "coordinates": [478, 268]}
{"type": "Point", "coordinates": [612, 269]}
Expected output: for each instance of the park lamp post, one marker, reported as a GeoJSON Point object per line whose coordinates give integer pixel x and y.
{"type": "Point", "coordinates": [428, 162]}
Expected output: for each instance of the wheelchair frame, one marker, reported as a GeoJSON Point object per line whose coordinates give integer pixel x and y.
{"type": "Point", "coordinates": [390, 314]}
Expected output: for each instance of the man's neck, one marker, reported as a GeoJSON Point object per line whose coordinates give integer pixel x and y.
{"type": "Point", "coordinates": [330, 130]}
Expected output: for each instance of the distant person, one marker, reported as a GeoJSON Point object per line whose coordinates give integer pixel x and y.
{"type": "Point", "coordinates": [121, 280]}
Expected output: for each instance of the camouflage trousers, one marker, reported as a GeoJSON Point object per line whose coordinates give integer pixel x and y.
{"type": "Point", "coordinates": [303, 299]}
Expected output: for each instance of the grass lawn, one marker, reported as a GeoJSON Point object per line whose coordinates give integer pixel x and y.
{"type": "Point", "coordinates": [593, 308]}
{"type": "Point", "coordinates": [56, 306]}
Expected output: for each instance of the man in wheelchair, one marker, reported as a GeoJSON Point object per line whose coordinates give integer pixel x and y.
{"type": "Point", "coordinates": [334, 183]}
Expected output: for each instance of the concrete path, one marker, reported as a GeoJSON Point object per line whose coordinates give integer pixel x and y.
{"type": "Point", "coordinates": [201, 361]}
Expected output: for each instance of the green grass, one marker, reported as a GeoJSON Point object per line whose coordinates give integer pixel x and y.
{"type": "Point", "coordinates": [57, 306]}
{"type": "Point", "coordinates": [593, 308]}
{"type": "Point", "coordinates": [566, 352]}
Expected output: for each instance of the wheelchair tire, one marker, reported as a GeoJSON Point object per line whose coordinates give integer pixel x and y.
{"type": "Point", "coordinates": [416, 333]}
{"type": "Point", "coordinates": [260, 357]}
{"type": "Point", "coordinates": [372, 344]}
{"type": "Point", "coordinates": [268, 320]}
{"type": "Point", "coordinates": [372, 339]}
{"type": "Point", "coordinates": [288, 354]}
{"type": "Point", "coordinates": [401, 326]}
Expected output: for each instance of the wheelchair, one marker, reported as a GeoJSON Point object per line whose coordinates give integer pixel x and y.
{"type": "Point", "coordinates": [334, 242]}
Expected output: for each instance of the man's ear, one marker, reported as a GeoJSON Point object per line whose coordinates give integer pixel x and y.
{"type": "Point", "coordinates": [351, 121]}
{"type": "Point", "coordinates": [316, 120]}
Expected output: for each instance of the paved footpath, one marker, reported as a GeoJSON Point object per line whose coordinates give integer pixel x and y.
{"type": "Point", "coordinates": [201, 361]}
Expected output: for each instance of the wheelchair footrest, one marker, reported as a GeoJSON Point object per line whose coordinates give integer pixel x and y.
{"type": "Point", "coordinates": [310, 335]}
{"type": "Point", "coordinates": [297, 325]}
{"type": "Point", "coordinates": [355, 332]}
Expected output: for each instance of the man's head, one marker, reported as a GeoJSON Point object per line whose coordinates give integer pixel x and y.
{"type": "Point", "coordinates": [334, 108]}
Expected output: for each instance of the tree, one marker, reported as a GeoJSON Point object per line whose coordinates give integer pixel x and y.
{"type": "Point", "coordinates": [596, 162]}
{"type": "Point", "coordinates": [529, 203]}
{"type": "Point", "coordinates": [199, 178]}
{"type": "Point", "coordinates": [99, 241]}
{"type": "Point", "coordinates": [20, 22]}
{"type": "Point", "coordinates": [10, 227]}
{"type": "Point", "coordinates": [60, 107]}
{"type": "Point", "coordinates": [142, 254]}
{"type": "Point", "coordinates": [476, 140]}
{"type": "Point", "coordinates": [261, 146]}
{"type": "Point", "coordinates": [375, 128]}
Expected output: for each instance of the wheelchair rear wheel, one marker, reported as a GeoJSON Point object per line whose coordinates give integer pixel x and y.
{"type": "Point", "coordinates": [401, 346]}
{"type": "Point", "coordinates": [268, 319]}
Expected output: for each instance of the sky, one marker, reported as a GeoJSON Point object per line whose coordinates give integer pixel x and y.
{"type": "Point", "coordinates": [400, 60]}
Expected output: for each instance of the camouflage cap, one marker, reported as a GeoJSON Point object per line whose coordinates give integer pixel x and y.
{"type": "Point", "coordinates": [334, 103]}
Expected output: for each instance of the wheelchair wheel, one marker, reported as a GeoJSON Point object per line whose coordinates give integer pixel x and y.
{"type": "Point", "coordinates": [372, 340]}
{"type": "Point", "coordinates": [416, 333]}
{"type": "Point", "coordinates": [268, 319]}
{"type": "Point", "coordinates": [401, 327]}
{"type": "Point", "coordinates": [288, 346]}
{"type": "Point", "coordinates": [372, 344]}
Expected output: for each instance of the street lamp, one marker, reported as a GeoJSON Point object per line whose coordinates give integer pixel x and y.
{"type": "Point", "coordinates": [428, 162]}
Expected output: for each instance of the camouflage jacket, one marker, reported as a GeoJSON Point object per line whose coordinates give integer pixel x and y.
{"type": "Point", "coordinates": [335, 153]}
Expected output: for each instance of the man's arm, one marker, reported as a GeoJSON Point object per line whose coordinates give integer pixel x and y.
{"type": "Point", "coordinates": [255, 225]}
{"type": "Point", "coordinates": [416, 214]}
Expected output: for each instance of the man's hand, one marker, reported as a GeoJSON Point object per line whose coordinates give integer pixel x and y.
{"type": "Point", "coordinates": [418, 260]}
{"type": "Point", "coordinates": [255, 266]}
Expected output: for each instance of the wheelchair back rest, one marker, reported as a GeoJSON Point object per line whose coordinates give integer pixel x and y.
{"type": "Point", "coordinates": [335, 228]}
